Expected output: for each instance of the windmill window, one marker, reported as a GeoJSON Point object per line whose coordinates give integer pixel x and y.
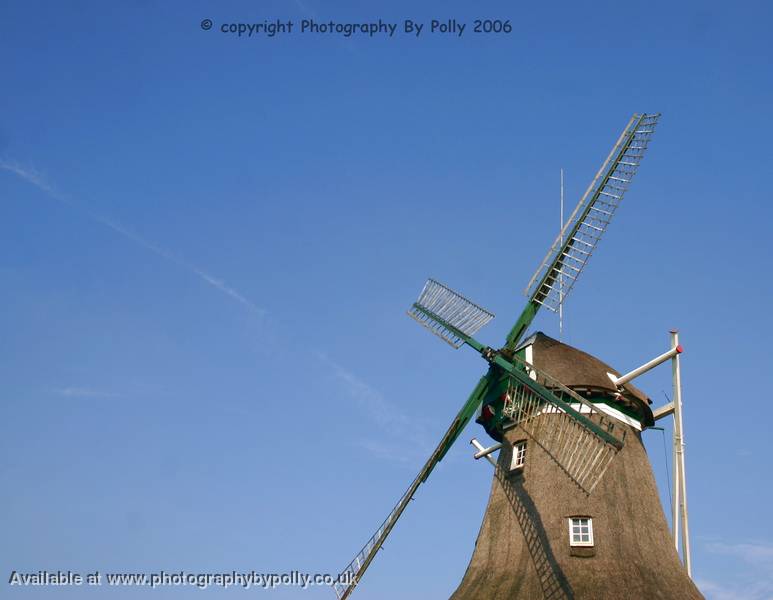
{"type": "Point", "coordinates": [580, 531]}
{"type": "Point", "coordinates": [519, 456]}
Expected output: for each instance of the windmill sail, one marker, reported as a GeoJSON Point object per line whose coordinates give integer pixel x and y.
{"type": "Point", "coordinates": [580, 451]}
{"type": "Point", "coordinates": [351, 575]}
{"type": "Point", "coordinates": [570, 252]}
{"type": "Point", "coordinates": [442, 310]}
{"type": "Point", "coordinates": [574, 246]}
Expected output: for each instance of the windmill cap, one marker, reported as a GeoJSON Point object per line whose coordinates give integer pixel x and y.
{"type": "Point", "coordinates": [580, 371]}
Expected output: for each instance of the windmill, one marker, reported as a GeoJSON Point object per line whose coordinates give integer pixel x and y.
{"type": "Point", "coordinates": [580, 439]}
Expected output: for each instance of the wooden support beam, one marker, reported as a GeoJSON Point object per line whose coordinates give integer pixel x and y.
{"type": "Point", "coordinates": [663, 411]}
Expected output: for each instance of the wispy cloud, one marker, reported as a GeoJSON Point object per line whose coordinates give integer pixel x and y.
{"type": "Point", "coordinates": [37, 179]}
{"type": "Point", "coordinates": [754, 579]}
{"type": "Point", "coordinates": [402, 438]}
{"type": "Point", "coordinates": [168, 255]}
{"type": "Point", "coordinates": [30, 175]}
{"type": "Point", "coordinates": [747, 590]}
{"type": "Point", "coordinates": [759, 553]}
{"type": "Point", "coordinates": [389, 451]}
{"type": "Point", "coordinates": [84, 392]}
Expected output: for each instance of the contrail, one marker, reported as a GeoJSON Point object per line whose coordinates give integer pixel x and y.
{"type": "Point", "coordinates": [406, 436]}
{"type": "Point", "coordinates": [30, 176]}
{"type": "Point", "coordinates": [36, 179]}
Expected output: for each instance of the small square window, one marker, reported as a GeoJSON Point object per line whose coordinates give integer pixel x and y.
{"type": "Point", "coordinates": [519, 456]}
{"type": "Point", "coordinates": [580, 531]}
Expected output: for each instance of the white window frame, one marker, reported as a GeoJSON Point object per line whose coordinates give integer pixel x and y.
{"type": "Point", "coordinates": [578, 522]}
{"type": "Point", "coordinates": [518, 459]}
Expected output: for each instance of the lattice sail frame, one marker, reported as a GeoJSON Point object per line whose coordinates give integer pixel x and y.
{"type": "Point", "coordinates": [438, 300]}
{"type": "Point", "coordinates": [349, 577]}
{"type": "Point", "coordinates": [582, 455]}
{"type": "Point", "coordinates": [570, 252]}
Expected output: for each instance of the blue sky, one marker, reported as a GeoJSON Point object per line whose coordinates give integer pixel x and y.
{"type": "Point", "coordinates": [207, 245]}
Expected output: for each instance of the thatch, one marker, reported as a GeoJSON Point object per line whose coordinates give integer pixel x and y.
{"type": "Point", "coordinates": [523, 549]}
{"type": "Point", "coordinates": [583, 372]}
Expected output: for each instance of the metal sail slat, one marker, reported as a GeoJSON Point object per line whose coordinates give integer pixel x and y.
{"type": "Point", "coordinates": [620, 166]}
{"type": "Point", "coordinates": [439, 306]}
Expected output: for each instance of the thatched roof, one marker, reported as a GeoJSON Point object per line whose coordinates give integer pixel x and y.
{"type": "Point", "coordinates": [582, 372]}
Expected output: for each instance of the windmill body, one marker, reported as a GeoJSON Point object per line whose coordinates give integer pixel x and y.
{"type": "Point", "coordinates": [526, 547]}
{"type": "Point", "coordinates": [572, 458]}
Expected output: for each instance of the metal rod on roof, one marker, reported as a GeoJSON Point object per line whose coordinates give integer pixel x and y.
{"type": "Point", "coordinates": [561, 277]}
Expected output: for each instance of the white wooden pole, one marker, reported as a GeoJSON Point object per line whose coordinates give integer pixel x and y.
{"type": "Point", "coordinates": [680, 484]}
{"type": "Point", "coordinates": [485, 452]}
{"type": "Point", "coordinates": [675, 526]}
{"type": "Point", "coordinates": [623, 379]}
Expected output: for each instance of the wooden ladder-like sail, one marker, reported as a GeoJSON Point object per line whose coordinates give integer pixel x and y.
{"type": "Point", "coordinates": [351, 575]}
{"type": "Point", "coordinates": [579, 451]}
{"type": "Point", "coordinates": [570, 252]}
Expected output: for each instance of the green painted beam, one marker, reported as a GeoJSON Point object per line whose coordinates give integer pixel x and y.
{"type": "Point", "coordinates": [457, 426]}
{"type": "Point", "coordinates": [549, 397]}
{"type": "Point", "coordinates": [497, 359]}
{"type": "Point", "coordinates": [522, 324]}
